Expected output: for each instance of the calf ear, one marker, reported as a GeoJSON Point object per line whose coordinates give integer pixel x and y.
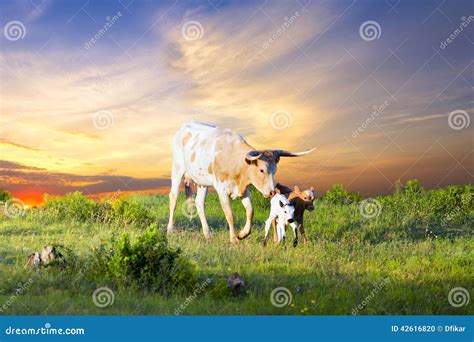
{"type": "Point", "coordinates": [297, 189]}
{"type": "Point", "coordinates": [312, 189]}
{"type": "Point", "coordinates": [281, 204]}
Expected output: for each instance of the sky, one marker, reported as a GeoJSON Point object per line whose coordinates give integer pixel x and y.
{"type": "Point", "coordinates": [92, 91]}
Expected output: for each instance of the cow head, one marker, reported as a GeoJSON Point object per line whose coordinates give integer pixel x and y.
{"type": "Point", "coordinates": [263, 165]}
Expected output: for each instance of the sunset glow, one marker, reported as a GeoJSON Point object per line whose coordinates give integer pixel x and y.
{"type": "Point", "coordinates": [93, 109]}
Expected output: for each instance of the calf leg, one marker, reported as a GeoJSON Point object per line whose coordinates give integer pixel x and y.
{"type": "Point", "coordinates": [295, 231]}
{"type": "Point", "coordinates": [200, 206]}
{"type": "Point", "coordinates": [303, 235]}
{"type": "Point", "coordinates": [281, 231]}
{"type": "Point", "coordinates": [225, 203]}
{"type": "Point", "coordinates": [247, 203]}
{"type": "Point", "coordinates": [268, 222]}
{"type": "Point", "coordinates": [275, 233]}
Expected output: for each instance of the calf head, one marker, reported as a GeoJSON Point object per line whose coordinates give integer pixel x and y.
{"type": "Point", "coordinates": [307, 196]}
{"type": "Point", "coordinates": [287, 211]}
{"type": "Point", "coordinates": [262, 166]}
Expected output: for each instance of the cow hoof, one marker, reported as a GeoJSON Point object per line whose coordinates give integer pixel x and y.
{"type": "Point", "coordinates": [243, 235]}
{"type": "Point", "coordinates": [234, 240]}
{"type": "Point", "coordinates": [169, 230]}
{"type": "Point", "coordinates": [295, 243]}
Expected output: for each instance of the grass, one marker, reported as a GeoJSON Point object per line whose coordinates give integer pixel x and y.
{"type": "Point", "coordinates": [402, 262]}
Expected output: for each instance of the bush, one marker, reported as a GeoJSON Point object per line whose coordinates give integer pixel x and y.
{"type": "Point", "coordinates": [133, 209]}
{"type": "Point", "coordinates": [72, 206]}
{"type": "Point", "coordinates": [340, 196]}
{"type": "Point", "coordinates": [148, 262]}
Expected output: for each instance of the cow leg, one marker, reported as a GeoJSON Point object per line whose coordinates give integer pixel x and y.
{"type": "Point", "coordinates": [200, 206]}
{"type": "Point", "coordinates": [225, 203]}
{"type": "Point", "coordinates": [247, 203]}
{"type": "Point", "coordinates": [176, 175]}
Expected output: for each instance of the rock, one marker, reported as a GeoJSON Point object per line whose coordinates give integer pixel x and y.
{"type": "Point", "coordinates": [49, 255]}
{"type": "Point", "coordinates": [234, 281]}
{"type": "Point", "coordinates": [34, 260]}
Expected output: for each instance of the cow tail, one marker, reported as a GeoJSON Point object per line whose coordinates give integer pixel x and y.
{"type": "Point", "coordinates": [188, 190]}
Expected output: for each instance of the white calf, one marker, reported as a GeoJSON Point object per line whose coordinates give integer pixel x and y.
{"type": "Point", "coordinates": [283, 211]}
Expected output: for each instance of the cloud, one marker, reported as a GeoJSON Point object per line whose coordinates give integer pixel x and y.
{"type": "Point", "coordinates": [18, 145]}
{"type": "Point", "coordinates": [19, 177]}
{"type": "Point", "coordinates": [250, 62]}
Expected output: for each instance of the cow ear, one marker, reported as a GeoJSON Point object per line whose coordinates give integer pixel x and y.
{"type": "Point", "coordinates": [281, 204]}
{"type": "Point", "coordinates": [312, 188]}
{"type": "Point", "coordinates": [252, 155]}
{"type": "Point", "coordinates": [297, 189]}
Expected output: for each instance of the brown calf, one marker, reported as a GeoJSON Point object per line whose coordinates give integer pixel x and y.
{"type": "Point", "coordinates": [302, 200]}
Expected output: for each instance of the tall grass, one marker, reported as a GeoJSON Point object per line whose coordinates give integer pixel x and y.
{"type": "Point", "coordinates": [420, 242]}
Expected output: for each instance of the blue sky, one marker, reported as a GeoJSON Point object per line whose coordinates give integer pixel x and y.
{"type": "Point", "coordinates": [243, 69]}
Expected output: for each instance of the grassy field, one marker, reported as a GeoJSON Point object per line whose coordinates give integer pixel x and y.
{"type": "Point", "coordinates": [403, 260]}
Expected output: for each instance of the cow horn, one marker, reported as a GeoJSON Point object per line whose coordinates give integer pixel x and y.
{"type": "Point", "coordinates": [253, 155]}
{"type": "Point", "coordinates": [283, 153]}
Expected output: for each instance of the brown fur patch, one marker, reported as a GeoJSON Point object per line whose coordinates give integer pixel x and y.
{"type": "Point", "coordinates": [209, 169]}
{"type": "Point", "coordinates": [186, 139]}
{"type": "Point", "coordinates": [193, 156]}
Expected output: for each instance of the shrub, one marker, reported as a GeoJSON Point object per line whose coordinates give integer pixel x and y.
{"type": "Point", "coordinates": [148, 262]}
{"type": "Point", "coordinates": [339, 196]}
{"type": "Point", "coordinates": [133, 209]}
{"type": "Point", "coordinates": [72, 206]}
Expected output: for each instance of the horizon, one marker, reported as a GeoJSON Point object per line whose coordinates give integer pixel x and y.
{"type": "Point", "coordinates": [92, 93]}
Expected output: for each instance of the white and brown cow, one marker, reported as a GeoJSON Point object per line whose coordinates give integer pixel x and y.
{"type": "Point", "coordinates": [221, 158]}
